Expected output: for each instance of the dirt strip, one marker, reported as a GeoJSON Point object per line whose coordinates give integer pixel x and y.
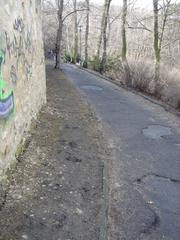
{"type": "Point", "coordinates": [58, 189]}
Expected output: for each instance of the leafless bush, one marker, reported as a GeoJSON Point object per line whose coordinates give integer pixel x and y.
{"type": "Point", "coordinates": [171, 91]}
{"type": "Point", "coordinates": [142, 74]}
{"type": "Point", "coordinates": [116, 71]}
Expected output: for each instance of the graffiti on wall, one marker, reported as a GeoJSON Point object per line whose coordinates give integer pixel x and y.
{"type": "Point", "coordinates": [19, 24]}
{"type": "Point", "coordinates": [19, 46]}
{"type": "Point", "coordinates": [6, 94]}
{"type": "Point", "coordinates": [13, 75]}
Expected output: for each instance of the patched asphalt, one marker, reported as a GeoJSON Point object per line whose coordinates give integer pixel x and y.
{"type": "Point", "coordinates": [100, 163]}
{"type": "Point", "coordinates": [144, 172]}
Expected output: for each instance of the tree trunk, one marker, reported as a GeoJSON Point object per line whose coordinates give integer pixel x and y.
{"type": "Point", "coordinates": [59, 34]}
{"type": "Point", "coordinates": [104, 56]}
{"type": "Point", "coordinates": [156, 43]}
{"type": "Point", "coordinates": [101, 33]}
{"type": "Point", "coordinates": [75, 31]}
{"type": "Point", "coordinates": [158, 39]}
{"type": "Point", "coordinates": [125, 65]}
{"type": "Point", "coordinates": [87, 34]}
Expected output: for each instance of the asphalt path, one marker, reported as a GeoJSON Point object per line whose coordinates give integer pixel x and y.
{"type": "Point", "coordinates": [144, 184]}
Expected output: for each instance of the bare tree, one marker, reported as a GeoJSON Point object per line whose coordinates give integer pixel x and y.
{"type": "Point", "coordinates": [139, 30]}
{"type": "Point", "coordinates": [60, 4]}
{"type": "Point", "coordinates": [101, 33]}
{"type": "Point", "coordinates": [125, 65]}
{"type": "Point", "coordinates": [158, 37]}
{"type": "Point", "coordinates": [104, 35]}
{"type": "Point", "coordinates": [75, 31]}
{"type": "Point", "coordinates": [156, 41]}
{"type": "Point", "coordinates": [87, 33]}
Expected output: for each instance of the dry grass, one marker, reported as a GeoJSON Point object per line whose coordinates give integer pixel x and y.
{"type": "Point", "coordinates": [171, 91]}
{"type": "Point", "coordinates": [142, 75]}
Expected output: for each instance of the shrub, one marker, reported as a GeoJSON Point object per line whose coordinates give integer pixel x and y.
{"type": "Point", "coordinates": [94, 63]}
{"type": "Point", "coordinates": [116, 71]}
{"type": "Point", "coordinates": [78, 58]}
{"type": "Point", "coordinates": [112, 61]}
{"type": "Point", "coordinates": [67, 57]}
{"type": "Point", "coordinates": [142, 76]}
{"type": "Point", "coordinates": [85, 64]}
{"type": "Point", "coordinates": [171, 91]}
{"type": "Point", "coordinates": [71, 58]}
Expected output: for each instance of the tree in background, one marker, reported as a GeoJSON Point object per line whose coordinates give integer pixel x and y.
{"type": "Point", "coordinates": [159, 37]}
{"type": "Point", "coordinates": [152, 37]}
{"type": "Point", "coordinates": [125, 65]}
{"type": "Point", "coordinates": [104, 35]}
{"type": "Point", "coordinates": [60, 4]}
{"type": "Point", "coordinates": [75, 55]}
{"type": "Point", "coordinates": [87, 34]}
{"type": "Point", "coordinates": [101, 33]}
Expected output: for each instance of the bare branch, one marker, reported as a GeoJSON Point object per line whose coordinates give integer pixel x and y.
{"type": "Point", "coordinates": [77, 10]}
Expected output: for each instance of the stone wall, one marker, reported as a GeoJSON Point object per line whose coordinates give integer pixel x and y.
{"type": "Point", "coordinates": [22, 73]}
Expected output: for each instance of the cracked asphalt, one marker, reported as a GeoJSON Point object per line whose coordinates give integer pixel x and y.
{"type": "Point", "coordinates": [144, 170]}
{"type": "Point", "coordinates": [101, 163]}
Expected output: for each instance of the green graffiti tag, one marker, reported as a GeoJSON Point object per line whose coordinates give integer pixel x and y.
{"type": "Point", "coordinates": [6, 95]}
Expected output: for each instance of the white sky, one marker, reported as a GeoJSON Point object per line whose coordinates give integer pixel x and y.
{"type": "Point", "coordinates": [140, 3]}
{"type": "Point", "coordinates": [147, 4]}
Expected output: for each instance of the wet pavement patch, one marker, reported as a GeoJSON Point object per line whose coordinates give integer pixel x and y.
{"type": "Point", "coordinates": [157, 131]}
{"type": "Point", "coordinates": [91, 87]}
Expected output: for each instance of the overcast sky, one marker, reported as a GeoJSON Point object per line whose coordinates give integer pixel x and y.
{"type": "Point", "coordinates": [147, 4]}
{"type": "Point", "coordinates": [140, 3]}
